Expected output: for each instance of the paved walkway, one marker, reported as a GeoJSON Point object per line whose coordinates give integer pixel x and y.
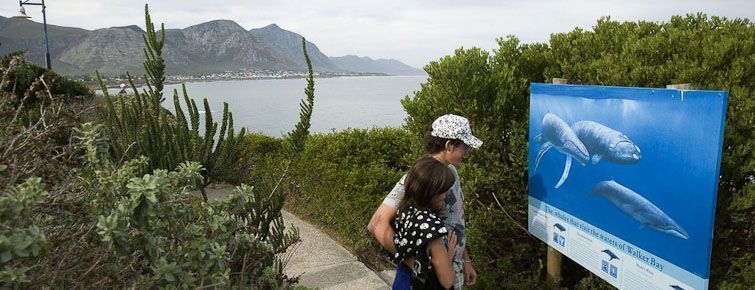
{"type": "Point", "coordinates": [323, 263]}
{"type": "Point", "coordinates": [319, 261]}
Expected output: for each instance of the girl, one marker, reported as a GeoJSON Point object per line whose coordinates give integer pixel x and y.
{"type": "Point", "coordinates": [423, 244]}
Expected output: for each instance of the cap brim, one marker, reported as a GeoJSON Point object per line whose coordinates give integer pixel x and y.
{"type": "Point", "coordinates": [472, 141]}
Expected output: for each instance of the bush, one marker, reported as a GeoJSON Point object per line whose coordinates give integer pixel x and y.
{"type": "Point", "coordinates": [492, 91]}
{"type": "Point", "coordinates": [24, 77]}
{"type": "Point", "coordinates": [267, 157]}
{"type": "Point", "coordinates": [20, 238]}
{"type": "Point", "coordinates": [342, 177]}
{"type": "Point", "coordinates": [36, 128]}
{"type": "Point", "coordinates": [150, 231]}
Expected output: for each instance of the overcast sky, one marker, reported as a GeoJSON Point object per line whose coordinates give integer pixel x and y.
{"type": "Point", "coordinates": [414, 32]}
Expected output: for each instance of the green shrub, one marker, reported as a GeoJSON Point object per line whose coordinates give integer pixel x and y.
{"type": "Point", "coordinates": [492, 91]}
{"type": "Point", "coordinates": [20, 237]}
{"type": "Point", "coordinates": [24, 76]}
{"type": "Point", "coordinates": [342, 177]}
{"type": "Point", "coordinates": [170, 237]}
{"type": "Point", "coordinates": [266, 157]}
{"type": "Point", "coordinates": [36, 128]}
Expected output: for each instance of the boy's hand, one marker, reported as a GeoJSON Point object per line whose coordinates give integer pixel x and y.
{"type": "Point", "coordinates": [470, 275]}
{"type": "Point", "coordinates": [452, 241]}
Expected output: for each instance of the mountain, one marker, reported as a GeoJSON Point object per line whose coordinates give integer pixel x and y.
{"type": "Point", "coordinates": [288, 44]}
{"type": "Point", "coordinates": [214, 46]}
{"type": "Point", "coordinates": [355, 63]}
{"type": "Point", "coordinates": [19, 34]}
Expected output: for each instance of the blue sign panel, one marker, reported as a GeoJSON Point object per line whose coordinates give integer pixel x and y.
{"type": "Point", "coordinates": [623, 180]}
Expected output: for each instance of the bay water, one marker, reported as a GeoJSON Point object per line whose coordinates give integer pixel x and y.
{"type": "Point", "coordinates": [271, 106]}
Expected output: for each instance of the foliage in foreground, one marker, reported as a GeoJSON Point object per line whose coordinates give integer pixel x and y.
{"type": "Point", "coordinates": [117, 223]}
{"type": "Point", "coordinates": [155, 222]}
{"type": "Point", "coordinates": [20, 238]}
{"type": "Point", "coordinates": [34, 141]}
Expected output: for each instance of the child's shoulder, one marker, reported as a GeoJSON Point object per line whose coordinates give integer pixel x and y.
{"type": "Point", "coordinates": [412, 212]}
{"type": "Point", "coordinates": [421, 220]}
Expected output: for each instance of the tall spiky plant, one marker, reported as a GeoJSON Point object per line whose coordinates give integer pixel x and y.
{"type": "Point", "coordinates": [299, 135]}
{"type": "Point", "coordinates": [138, 125]}
{"type": "Point", "coordinates": [154, 65]}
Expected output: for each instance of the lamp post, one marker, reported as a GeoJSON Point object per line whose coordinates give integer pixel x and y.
{"type": "Point", "coordinates": [23, 15]}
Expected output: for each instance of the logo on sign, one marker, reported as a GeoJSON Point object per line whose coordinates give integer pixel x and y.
{"type": "Point", "coordinates": [558, 237]}
{"type": "Point", "coordinates": [608, 267]}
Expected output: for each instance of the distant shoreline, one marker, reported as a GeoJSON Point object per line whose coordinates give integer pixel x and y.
{"type": "Point", "coordinates": [114, 83]}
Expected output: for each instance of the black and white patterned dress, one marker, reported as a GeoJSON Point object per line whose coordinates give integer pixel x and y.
{"type": "Point", "coordinates": [452, 215]}
{"type": "Point", "coordinates": [414, 230]}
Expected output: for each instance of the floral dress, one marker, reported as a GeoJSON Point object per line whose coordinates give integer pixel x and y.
{"type": "Point", "coordinates": [414, 230]}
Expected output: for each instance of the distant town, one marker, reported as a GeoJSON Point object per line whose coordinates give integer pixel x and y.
{"type": "Point", "coordinates": [115, 81]}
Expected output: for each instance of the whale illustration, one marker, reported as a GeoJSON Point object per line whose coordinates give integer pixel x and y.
{"type": "Point", "coordinates": [638, 208]}
{"type": "Point", "coordinates": [606, 143]}
{"type": "Point", "coordinates": [556, 133]}
{"type": "Point", "coordinates": [559, 226]}
{"type": "Point", "coordinates": [610, 254]}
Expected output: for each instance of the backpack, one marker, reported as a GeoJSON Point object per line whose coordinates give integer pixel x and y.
{"type": "Point", "coordinates": [424, 277]}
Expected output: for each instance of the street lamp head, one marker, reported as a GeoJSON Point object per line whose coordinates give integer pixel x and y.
{"type": "Point", "coordinates": [22, 14]}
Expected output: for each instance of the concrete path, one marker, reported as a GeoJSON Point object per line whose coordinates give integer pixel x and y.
{"type": "Point", "coordinates": [322, 263]}
{"type": "Point", "coordinates": [319, 261]}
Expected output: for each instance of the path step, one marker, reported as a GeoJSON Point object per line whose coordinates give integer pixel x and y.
{"type": "Point", "coordinates": [321, 262]}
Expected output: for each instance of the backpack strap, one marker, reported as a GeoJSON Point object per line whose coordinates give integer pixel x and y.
{"type": "Point", "coordinates": [421, 261]}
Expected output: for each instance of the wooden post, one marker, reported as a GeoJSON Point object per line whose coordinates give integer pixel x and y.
{"type": "Point", "coordinates": [554, 257]}
{"type": "Point", "coordinates": [559, 81]}
{"type": "Point", "coordinates": [554, 267]}
{"type": "Point", "coordinates": [679, 86]}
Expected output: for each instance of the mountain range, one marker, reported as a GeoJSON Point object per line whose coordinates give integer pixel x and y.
{"type": "Point", "coordinates": [214, 46]}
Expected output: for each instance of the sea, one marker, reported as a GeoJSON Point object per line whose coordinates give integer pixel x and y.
{"type": "Point", "coordinates": [271, 106]}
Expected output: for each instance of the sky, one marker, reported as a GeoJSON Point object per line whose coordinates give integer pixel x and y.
{"type": "Point", "coordinates": [414, 32]}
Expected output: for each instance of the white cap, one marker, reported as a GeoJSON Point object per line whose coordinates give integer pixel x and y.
{"type": "Point", "coordinates": [455, 127]}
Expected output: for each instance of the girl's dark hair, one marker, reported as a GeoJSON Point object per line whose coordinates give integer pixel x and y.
{"type": "Point", "coordinates": [437, 144]}
{"type": "Point", "coordinates": [426, 179]}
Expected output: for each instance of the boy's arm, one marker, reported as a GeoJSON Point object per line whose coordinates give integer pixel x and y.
{"type": "Point", "coordinates": [380, 226]}
{"type": "Point", "coordinates": [470, 274]}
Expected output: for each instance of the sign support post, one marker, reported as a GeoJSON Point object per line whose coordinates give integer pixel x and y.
{"type": "Point", "coordinates": [554, 257]}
